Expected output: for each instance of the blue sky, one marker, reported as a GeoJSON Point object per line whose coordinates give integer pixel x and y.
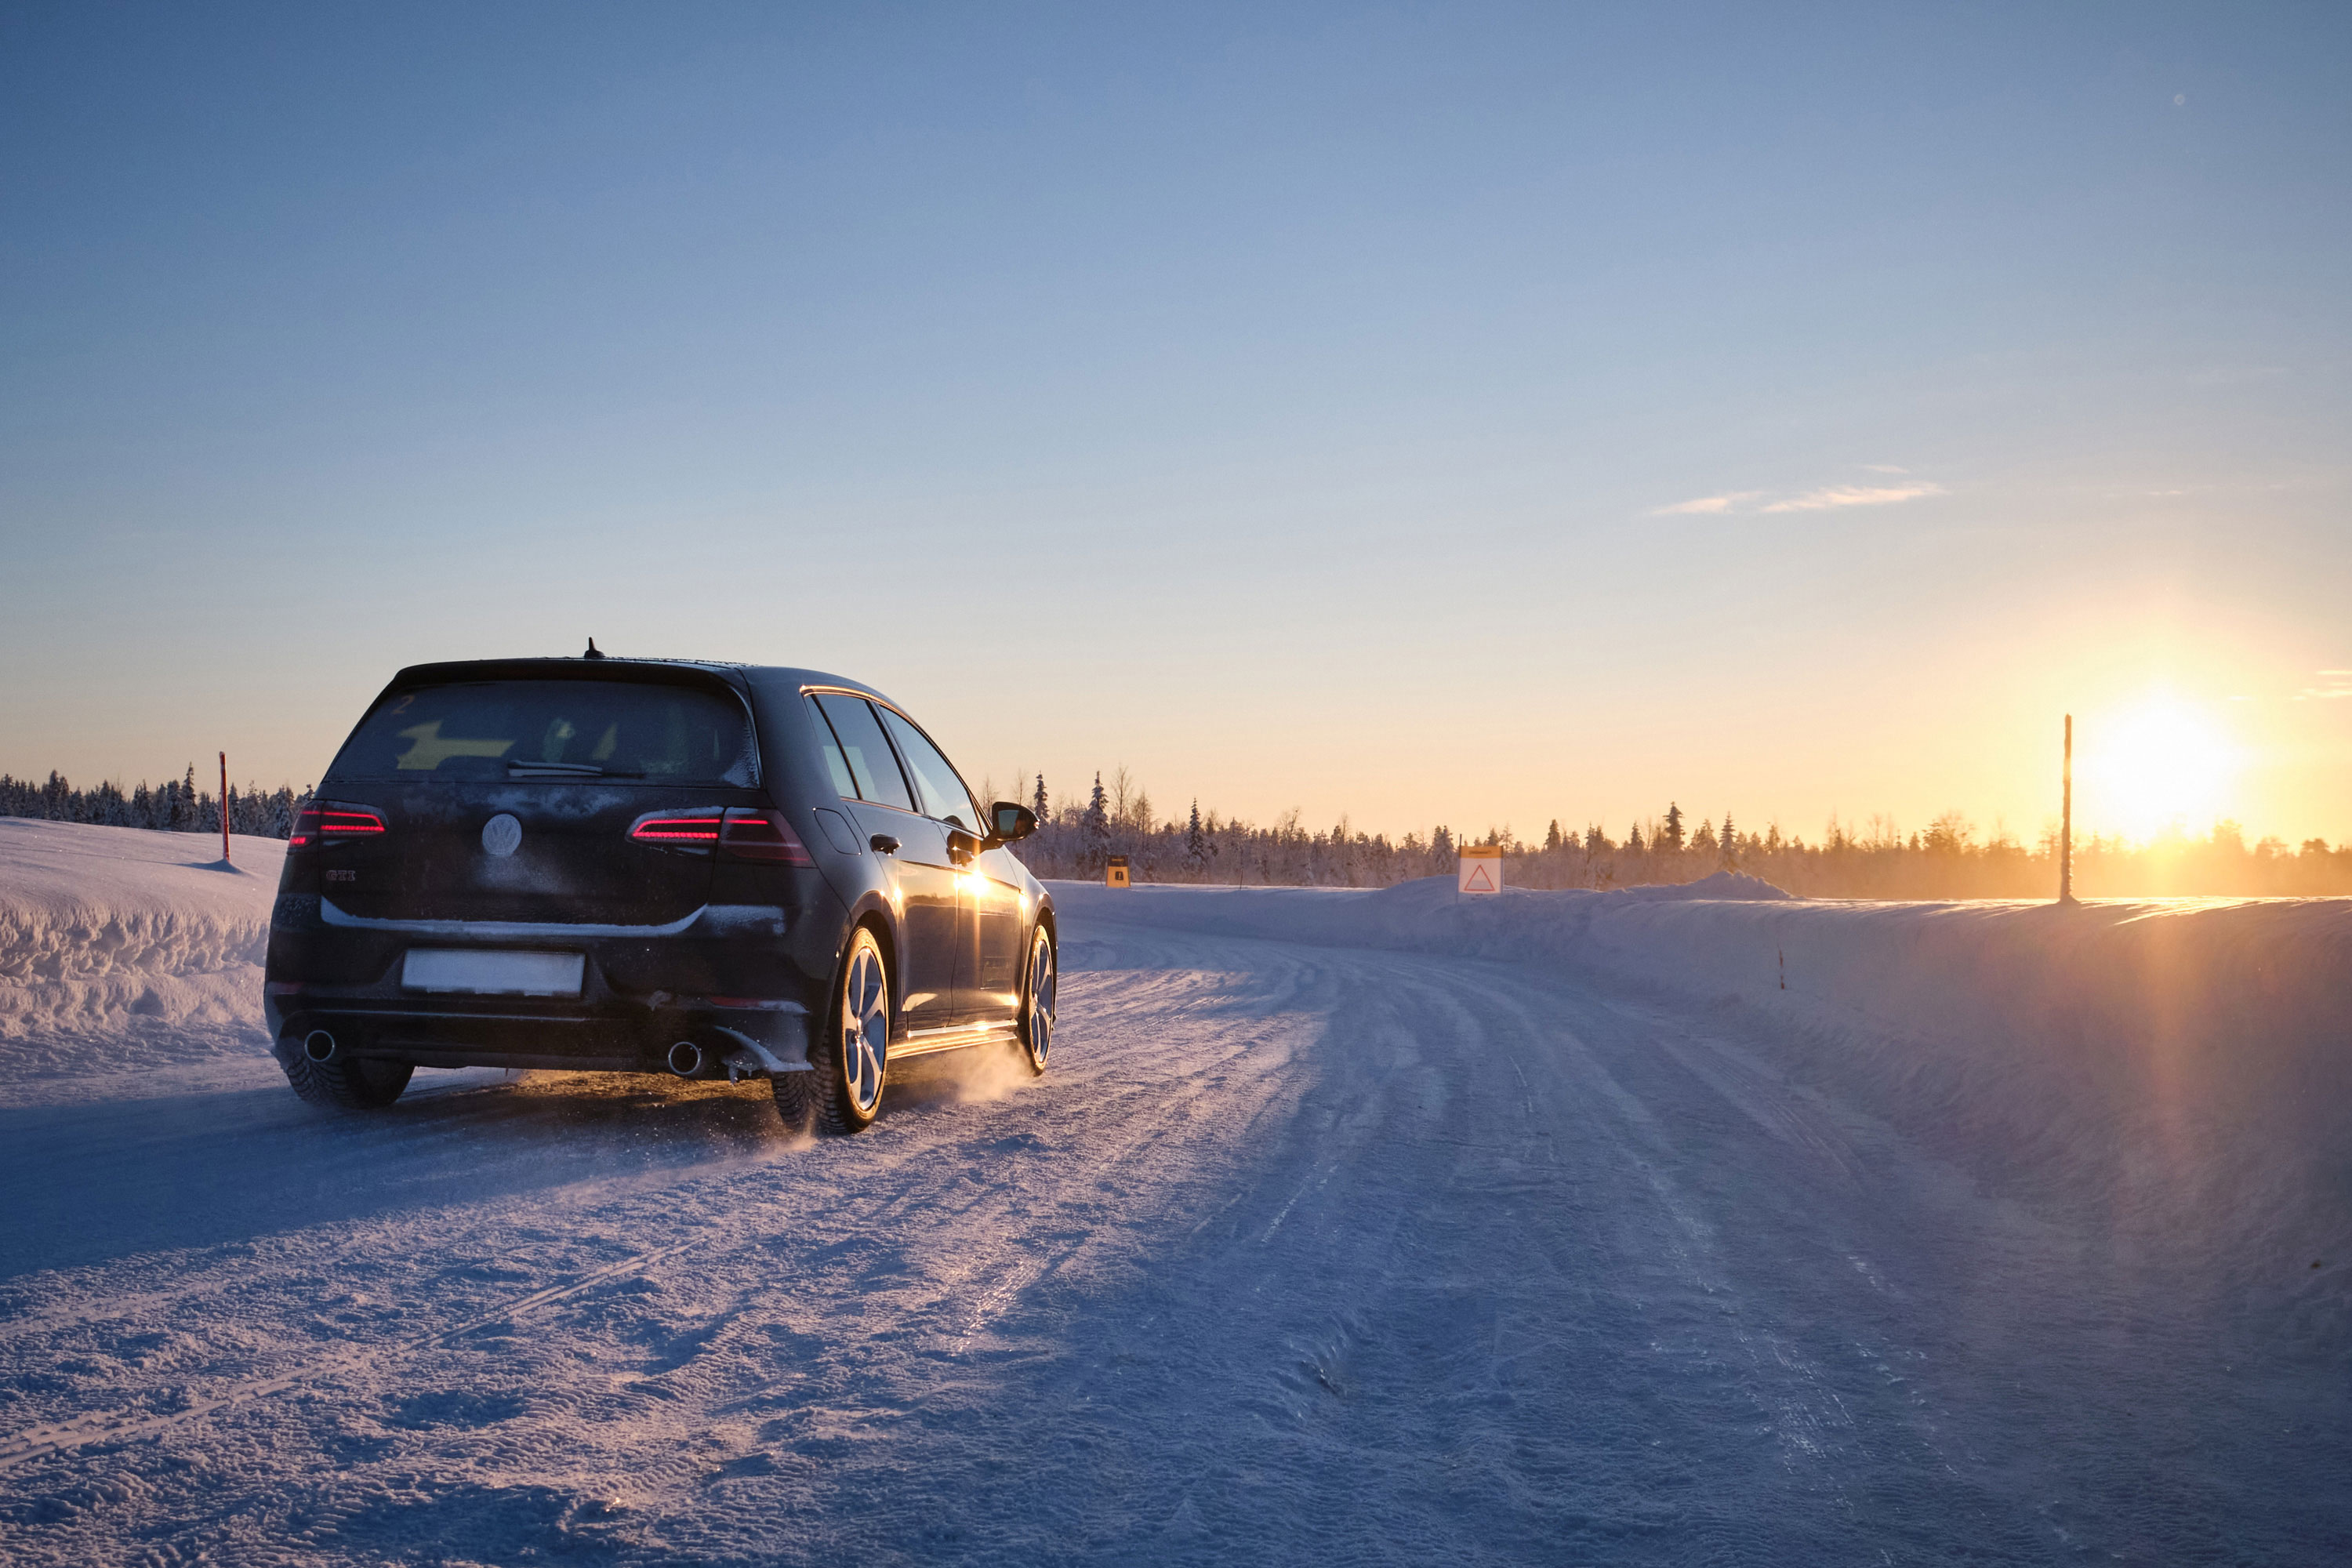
{"type": "Point", "coordinates": [1468, 414]}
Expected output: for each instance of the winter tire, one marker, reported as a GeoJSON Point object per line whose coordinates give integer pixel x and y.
{"type": "Point", "coordinates": [844, 1090]}
{"type": "Point", "coordinates": [1038, 991]}
{"type": "Point", "coordinates": [347, 1083]}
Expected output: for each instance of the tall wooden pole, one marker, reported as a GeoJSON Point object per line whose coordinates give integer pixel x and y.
{"type": "Point", "coordinates": [2066, 819]}
{"type": "Point", "coordinates": [223, 756]}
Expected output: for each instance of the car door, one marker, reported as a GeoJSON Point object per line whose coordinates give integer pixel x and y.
{"type": "Point", "coordinates": [990, 979]}
{"type": "Point", "coordinates": [1001, 931]}
{"type": "Point", "coordinates": [929, 899]}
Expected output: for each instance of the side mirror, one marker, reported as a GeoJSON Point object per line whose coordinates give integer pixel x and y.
{"type": "Point", "coordinates": [1008, 822]}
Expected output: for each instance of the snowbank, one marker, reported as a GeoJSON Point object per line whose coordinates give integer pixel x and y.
{"type": "Point", "coordinates": [2183, 1066]}
{"type": "Point", "coordinates": [2181, 1069]}
{"type": "Point", "coordinates": [123, 947]}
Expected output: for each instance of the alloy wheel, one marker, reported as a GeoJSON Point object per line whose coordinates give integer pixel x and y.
{"type": "Point", "coordinates": [1039, 1022]}
{"type": "Point", "coordinates": [864, 1028]}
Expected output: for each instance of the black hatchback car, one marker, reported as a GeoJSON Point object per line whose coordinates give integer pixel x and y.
{"type": "Point", "coordinates": [646, 866]}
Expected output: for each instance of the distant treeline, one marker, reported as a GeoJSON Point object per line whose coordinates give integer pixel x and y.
{"type": "Point", "coordinates": [173, 806]}
{"type": "Point", "coordinates": [1946, 860]}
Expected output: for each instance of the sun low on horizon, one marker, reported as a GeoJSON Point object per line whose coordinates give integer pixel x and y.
{"type": "Point", "coordinates": [2157, 763]}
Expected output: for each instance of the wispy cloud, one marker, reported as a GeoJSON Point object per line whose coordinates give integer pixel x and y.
{"type": "Point", "coordinates": [1832, 496]}
{"type": "Point", "coordinates": [1708, 506]}
{"type": "Point", "coordinates": [1822, 500]}
{"type": "Point", "coordinates": [2333, 683]}
{"type": "Point", "coordinates": [1886, 468]}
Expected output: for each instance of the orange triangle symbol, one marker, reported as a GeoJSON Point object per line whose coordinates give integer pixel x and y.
{"type": "Point", "coordinates": [1479, 881]}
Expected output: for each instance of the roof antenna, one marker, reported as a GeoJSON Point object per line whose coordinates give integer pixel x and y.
{"type": "Point", "coordinates": [592, 652]}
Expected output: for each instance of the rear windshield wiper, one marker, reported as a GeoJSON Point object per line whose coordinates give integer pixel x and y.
{"type": "Point", "coordinates": [571, 771]}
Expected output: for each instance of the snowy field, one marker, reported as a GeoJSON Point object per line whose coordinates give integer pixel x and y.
{"type": "Point", "coordinates": [1349, 1228]}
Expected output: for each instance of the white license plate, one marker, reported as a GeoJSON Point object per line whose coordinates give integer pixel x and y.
{"type": "Point", "coordinates": [480, 974]}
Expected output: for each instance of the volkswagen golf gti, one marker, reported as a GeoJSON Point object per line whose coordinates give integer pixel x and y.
{"type": "Point", "coordinates": [617, 865]}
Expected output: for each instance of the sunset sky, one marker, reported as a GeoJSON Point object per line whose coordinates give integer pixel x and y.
{"type": "Point", "coordinates": [1459, 414]}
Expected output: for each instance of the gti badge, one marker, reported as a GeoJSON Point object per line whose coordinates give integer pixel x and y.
{"type": "Point", "coordinates": [502, 834]}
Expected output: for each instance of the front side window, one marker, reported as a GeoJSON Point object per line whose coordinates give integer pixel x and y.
{"type": "Point", "coordinates": [944, 796]}
{"type": "Point", "coordinates": [553, 730]}
{"type": "Point", "coordinates": [867, 755]}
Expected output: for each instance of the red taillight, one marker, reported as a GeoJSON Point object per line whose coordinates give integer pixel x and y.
{"type": "Point", "coordinates": [737, 832]}
{"type": "Point", "coordinates": [694, 830]}
{"type": "Point", "coordinates": [751, 835]}
{"type": "Point", "coordinates": [329, 822]}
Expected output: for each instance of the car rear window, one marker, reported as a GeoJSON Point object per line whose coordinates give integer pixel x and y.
{"type": "Point", "coordinates": [553, 729]}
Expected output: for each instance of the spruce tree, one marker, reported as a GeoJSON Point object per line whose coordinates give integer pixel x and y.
{"type": "Point", "coordinates": [1730, 843]}
{"type": "Point", "coordinates": [1038, 804]}
{"type": "Point", "coordinates": [1094, 828]}
{"type": "Point", "coordinates": [1671, 836]}
{"type": "Point", "coordinates": [1552, 839]}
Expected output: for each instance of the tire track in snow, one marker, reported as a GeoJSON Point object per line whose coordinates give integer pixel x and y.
{"type": "Point", "coordinates": [1806, 1408]}
{"type": "Point", "coordinates": [1259, 1047]}
{"type": "Point", "coordinates": [1368, 1221]}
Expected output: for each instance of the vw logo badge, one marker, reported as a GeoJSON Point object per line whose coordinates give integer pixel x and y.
{"type": "Point", "coordinates": [502, 834]}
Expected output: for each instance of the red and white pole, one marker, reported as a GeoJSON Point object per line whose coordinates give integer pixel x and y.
{"type": "Point", "coordinates": [223, 756]}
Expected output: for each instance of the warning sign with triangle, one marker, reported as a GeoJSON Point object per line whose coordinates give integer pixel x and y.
{"type": "Point", "coordinates": [1480, 871]}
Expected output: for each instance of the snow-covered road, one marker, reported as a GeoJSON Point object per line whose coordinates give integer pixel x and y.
{"type": "Point", "coordinates": [1301, 1254]}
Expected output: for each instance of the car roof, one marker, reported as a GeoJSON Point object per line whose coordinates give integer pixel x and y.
{"type": "Point", "coordinates": [772, 677]}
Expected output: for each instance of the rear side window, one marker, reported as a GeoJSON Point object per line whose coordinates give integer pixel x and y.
{"type": "Point", "coordinates": [863, 751]}
{"type": "Point", "coordinates": [837, 766]}
{"type": "Point", "coordinates": [944, 796]}
{"type": "Point", "coordinates": [553, 729]}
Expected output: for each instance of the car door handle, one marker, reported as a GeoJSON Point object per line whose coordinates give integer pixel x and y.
{"type": "Point", "coordinates": [884, 844]}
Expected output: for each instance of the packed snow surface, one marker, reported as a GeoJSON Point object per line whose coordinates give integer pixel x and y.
{"type": "Point", "coordinates": [1347, 1227]}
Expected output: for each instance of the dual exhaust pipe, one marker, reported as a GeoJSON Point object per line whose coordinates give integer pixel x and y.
{"type": "Point", "coordinates": [686, 1058]}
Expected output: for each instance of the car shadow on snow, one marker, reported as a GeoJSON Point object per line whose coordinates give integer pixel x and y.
{"type": "Point", "coordinates": [101, 1180]}
{"type": "Point", "coordinates": [90, 1183]}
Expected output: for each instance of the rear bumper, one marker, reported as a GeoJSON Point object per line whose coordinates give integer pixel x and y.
{"type": "Point", "coordinates": [747, 995]}
{"type": "Point", "coordinates": [480, 1032]}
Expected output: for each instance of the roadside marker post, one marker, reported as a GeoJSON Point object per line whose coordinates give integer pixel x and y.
{"type": "Point", "coordinates": [2067, 818]}
{"type": "Point", "coordinates": [1479, 870]}
{"type": "Point", "coordinates": [223, 756]}
{"type": "Point", "coordinates": [1115, 874]}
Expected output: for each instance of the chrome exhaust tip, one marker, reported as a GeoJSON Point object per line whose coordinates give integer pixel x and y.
{"type": "Point", "coordinates": [319, 1046]}
{"type": "Point", "coordinates": [685, 1060]}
